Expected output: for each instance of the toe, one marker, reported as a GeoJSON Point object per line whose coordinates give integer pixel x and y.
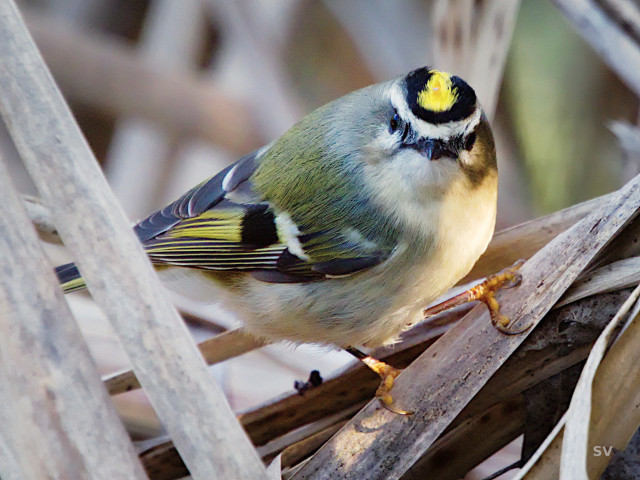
{"type": "Point", "coordinates": [383, 393]}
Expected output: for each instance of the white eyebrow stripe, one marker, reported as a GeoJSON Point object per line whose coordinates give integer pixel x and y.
{"type": "Point", "coordinates": [444, 131]}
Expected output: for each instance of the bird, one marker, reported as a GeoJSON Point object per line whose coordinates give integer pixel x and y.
{"type": "Point", "coordinates": [341, 231]}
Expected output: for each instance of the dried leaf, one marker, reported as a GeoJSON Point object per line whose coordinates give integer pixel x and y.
{"type": "Point", "coordinates": [570, 446]}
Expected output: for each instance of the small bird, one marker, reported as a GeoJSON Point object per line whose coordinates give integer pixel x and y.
{"type": "Point", "coordinates": [340, 231]}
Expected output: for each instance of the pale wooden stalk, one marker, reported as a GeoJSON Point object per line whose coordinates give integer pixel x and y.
{"type": "Point", "coordinates": [616, 276]}
{"type": "Point", "coordinates": [442, 381]}
{"type": "Point", "coordinates": [381, 32]}
{"type": "Point", "coordinates": [297, 444]}
{"type": "Point", "coordinates": [214, 350]}
{"type": "Point", "coordinates": [621, 394]}
{"type": "Point", "coordinates": [453, 454]}
{"type": "Point", "coordinates": [615, 415]}
{"type": "Point", "coordinates": [107, 74]}
{"type": "Point", "coordinates": [170, 40]}
{"type": "Point", "coordinates": [51, 402]}
{"type": "Point", "coordinates": [471, 442]}
{"type": "Point", "coordinates": [121, 279]}
{"type": "Point", "coordinates": [625, 13]}
{"type": "Point", "coordinates": [10, 469]}
{"type": "Point", "coordinates": [78, 12]}
{"type": "Point", "coordinates": [41, 218]}
{"type": "Point", "coordinates": [603, 410]}
{"type": "Point", "coordinates": [297, 452]}
{"type": "Point", "coordinates": [262, 62]}
{"type": "Point", "coordinates": [617, 49]}
{"type": "Point", "coordinates": [472, 39]}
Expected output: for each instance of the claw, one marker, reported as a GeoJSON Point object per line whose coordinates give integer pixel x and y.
{"type": "Point", "coordinates": [393, 409]}
{"type": "Point", "coordinates": [383, 392]}
{"type": "Point", "coordinates": [508, 331]}
{"type": "Point", "coordinates": [514, 281]}
{"type": "Point", "coordinates": [501, 323]}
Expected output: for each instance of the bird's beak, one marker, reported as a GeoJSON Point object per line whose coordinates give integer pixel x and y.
{"type": "Point", "coordinates": [432, 149]}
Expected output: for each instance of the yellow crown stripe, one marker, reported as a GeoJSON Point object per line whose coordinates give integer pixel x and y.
{"type": "Point", "coordinates": [438, 95]}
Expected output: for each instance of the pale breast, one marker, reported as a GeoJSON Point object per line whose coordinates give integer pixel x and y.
{"type": "Point", "coordinates": [467, 222]}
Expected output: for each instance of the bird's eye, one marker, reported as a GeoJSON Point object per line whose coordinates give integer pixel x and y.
{"type": "Point", "coordinates": [394, 123]}
{"type": "Point", "coordinates": [470, 140]}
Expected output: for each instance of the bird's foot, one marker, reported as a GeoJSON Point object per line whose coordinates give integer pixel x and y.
{"type": "Point", "coordinates": [388, 375]}
{"type": "Point", "coordinates": [485, 293]}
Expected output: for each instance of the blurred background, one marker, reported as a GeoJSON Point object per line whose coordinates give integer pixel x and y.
{"type": "Point", "coordinates": [168, 92]}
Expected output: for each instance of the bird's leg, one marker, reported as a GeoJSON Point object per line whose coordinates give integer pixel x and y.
{"type": "Point", "coordinates": [388, 375]}
{"type": "Point", "coordinates": [485, 292]}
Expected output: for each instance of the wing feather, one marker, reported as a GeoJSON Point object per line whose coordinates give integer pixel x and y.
{"type": "Point", "coordinates": [214, 227]}
{"type": "Point", "coordinates": [197, 200]}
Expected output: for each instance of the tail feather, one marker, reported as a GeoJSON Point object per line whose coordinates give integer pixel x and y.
{"type": "Point", "coordinates": [69, 277]}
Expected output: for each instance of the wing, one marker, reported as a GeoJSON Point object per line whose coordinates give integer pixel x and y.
{"type": "Point", "coordinates": [199, 199]}
{"type": "Point", "coordinates": [222, 224]}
